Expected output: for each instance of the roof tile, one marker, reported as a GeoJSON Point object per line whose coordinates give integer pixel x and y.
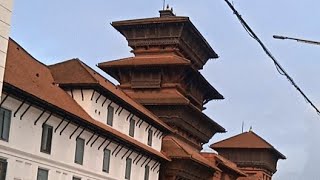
{"type": "Point", "coordinates": [246, 140]}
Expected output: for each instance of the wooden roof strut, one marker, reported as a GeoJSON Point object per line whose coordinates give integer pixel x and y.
{"type": "Point", "coordinates": [35, 122]}
{"type": "Point", "coordinates": [14, 115]}
{"type": "Point", "coordinates": [25, 111]}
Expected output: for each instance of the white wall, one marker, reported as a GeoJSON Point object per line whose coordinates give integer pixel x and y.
{"type": "Point", "coordinates": [22, 151]}
{"type": "Point", "coordinates": [5, 20]}
{"type": "Point", "coordinates": [120, 122]}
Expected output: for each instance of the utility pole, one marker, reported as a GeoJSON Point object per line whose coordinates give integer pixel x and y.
{"type": "Point", "coordinates": [297, 39]}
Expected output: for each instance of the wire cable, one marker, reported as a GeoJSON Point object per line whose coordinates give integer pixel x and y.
{"type": "Point", "coordinates": [279, 68]}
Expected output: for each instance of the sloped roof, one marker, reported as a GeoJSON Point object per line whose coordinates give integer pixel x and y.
{"type": "Point", "coordinates": [165, 20]}
{"type": "Point", "coordinates": [33, 78]}
{"type": "Point", "coordinates": [146, 60]}
{"type": "Point", "coordinates": [181, 150]}
{"type": "Point", "coordinates": [162, 96]}
{"type": "Point", "coordinates": [111, 68]}
{"type": "Point", "coordinates": [246, 140]}
{"type": "Point", "coordinates": [64, 74]}
{"type": "Point", "coordinates": [219, 160]}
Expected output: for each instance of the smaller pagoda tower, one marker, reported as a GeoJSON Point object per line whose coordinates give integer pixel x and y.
{"type": "Point", "coordinates": [252, 154]}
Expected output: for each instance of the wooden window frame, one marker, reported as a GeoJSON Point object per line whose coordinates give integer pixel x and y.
{"type": "Point", "coordinates": [128, 168]}
{"type": "Point", "coordinates": [4, 165]}
{"type": "Point", "coordinates": [106, 160]}
{"type": "Point", "coordinates": [46, 144]}
{"type": "Point", "coordinates": [42, 169]}
{"type": "Point", "coordinates": [146, 173]}
{"type": "Point", "coordinates": [4, 134]}
{"type": "Point", "coordinates": [150, 136]}
{"type": "Point", "coordinates": [110, 116]}
{"type": "Point", "coordinates": [132, 127]}
{"type": "Point", "coordinates": [76, 159]}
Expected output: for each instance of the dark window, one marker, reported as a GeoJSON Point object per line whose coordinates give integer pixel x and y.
{"type": "Point", "coordinates": [42, 174]}
{"type": "Point", "coordinates": [146, 173]}
{"type": "Point", "coordinates": [150, 132]}
{"type": "Point", "coordinates": [128, 168]}
{"type": "Point", "coordinates": [106, 160]}
{"type": "Point", "coordinates": [110, 115]}
{"type": "Point", "coordinates": [131, 127]}
{"type": "Point", "coordinates": [79, 151]}
{"type": "Point", "coordinates": [46, 139]}
{"type": "Point", "coordinates": [76, 178]}
{"type": "Point", "coordinates": [3, 169]}
{"type": "Point", "coordinates": [5, 119]}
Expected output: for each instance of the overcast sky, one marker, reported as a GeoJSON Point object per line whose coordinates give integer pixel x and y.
{"type": "Point", "coordinates": [254, 91]}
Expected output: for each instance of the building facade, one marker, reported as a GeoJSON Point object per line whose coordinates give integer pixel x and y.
{"type": "Point", "coordinates": [55, 125]}
{"type": "Point", "coordinates": [5, 23]}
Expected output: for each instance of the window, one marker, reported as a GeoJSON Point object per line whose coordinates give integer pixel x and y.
{"type": "Point", "coordinates": [110, 115]}
{"type": "Point", "coordinates": [146, 173]}
{"type": "Point", "coordinates": [128, 168]}
{"type": "Point", "coordinates": [150, 132]}
{"type": "Point", "coordinates": [5, 118]}
{"type": "Point", "coordinates": [79, 151]}
{"type": "Point", "coordinates": [3, 169]}
{"type": "Point", "coordinates": [106, 160]}
{"type": "Point", "coordinates": [76, 178]}
{"type": "Point", "coordinates": [42, 174]}
{"type": "Point", "coordinates": [131, 127]}
{"type": "Point", "coordinates": [46, 139]}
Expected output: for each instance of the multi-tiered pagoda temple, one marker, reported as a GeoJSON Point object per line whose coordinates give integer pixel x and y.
{"type": "Point", "coordinates": [163, 75]}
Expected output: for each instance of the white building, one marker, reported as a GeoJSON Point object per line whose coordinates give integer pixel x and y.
{"type": "Point", "coordinates": [5, 21]}
{"type": "Point", "coordinates": [65, 122]}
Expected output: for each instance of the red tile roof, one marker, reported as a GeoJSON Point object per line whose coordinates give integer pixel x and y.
{"type": "Point", "coordinates": [219, 160]}
{"type": "Point", "coordinates": [181, 150]}
{"type": "Point", "coordinates": [246, 140]}
{"type": "Point", "coordinates": [165, 20]}
{"type": "Point", "coordinates": [34, 78]}
{"type": "Point", "coordinates": [162, 96]}
{"type": "Point", "coordinates": [111, 67]}
{"type": "Point", "coordinates": [154, 60]}
{"type": "Point", "coordinates": [64, 75]}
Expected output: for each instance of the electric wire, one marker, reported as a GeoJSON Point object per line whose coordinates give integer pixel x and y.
{"type": "Point", "coordinates": [279, 68]}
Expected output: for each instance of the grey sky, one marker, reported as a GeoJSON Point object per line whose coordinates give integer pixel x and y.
{"type": "Point", "coordinates": [254, 92]}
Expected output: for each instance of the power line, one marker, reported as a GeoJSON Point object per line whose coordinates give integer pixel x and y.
{"type": "Point", "coordinates": [279, 68]}
{"type": "Point", "coordinates": [297, 39]}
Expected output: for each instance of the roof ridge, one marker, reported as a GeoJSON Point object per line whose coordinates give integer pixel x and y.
{"type": "Point", "coordinates": [178, 144]}
{"type": "Point", "coordinates": [265, 145]}
{"type": "Point", "coordinates": [97, 73]}
{"type": "Point", "coordinates": [85, 66]}
{"type": "Point", "coordinates": [62, 62]}
{"type": "Point", "coordinates": [261, 139]}
{"type": "Point", "coordinates": [116, 60]}
{"type": "Point", "coordinates": [12, 40]}
{"type": "Point", "coordinates": [227, 139]}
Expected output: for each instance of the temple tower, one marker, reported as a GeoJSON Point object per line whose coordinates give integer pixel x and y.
{"type": "Point", "coordinates": [252, 154]}
{"type": "Point", "coordinates": [164, 76]}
